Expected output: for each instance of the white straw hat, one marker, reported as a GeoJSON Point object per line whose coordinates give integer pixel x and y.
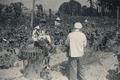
{"type": "Point", "coordinates": [37, 27]}
{"type": "Point", "coordinates": [58, 18]}
{"type": "Point", "coordinates": [86, 20]}
{"type": "Point", "coordinates": [78, 25]}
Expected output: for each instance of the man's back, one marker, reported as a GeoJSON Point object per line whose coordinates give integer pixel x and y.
{"type": "Point", "coordinates": [77, 42]}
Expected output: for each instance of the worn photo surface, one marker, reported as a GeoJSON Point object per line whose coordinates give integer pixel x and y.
{"type": "Point", "coordinates": [59, 40]}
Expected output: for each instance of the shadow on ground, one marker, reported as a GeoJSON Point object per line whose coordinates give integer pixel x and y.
{"type": "Point", "coordinates": [113, 74]}
{"type": "Point", "coordinates": [62, 67]}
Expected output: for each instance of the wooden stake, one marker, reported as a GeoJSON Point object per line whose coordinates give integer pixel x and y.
{"type": "Point", "coordinates": [32, 14]}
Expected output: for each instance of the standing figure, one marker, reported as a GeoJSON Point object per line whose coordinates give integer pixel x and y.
{"type": "Point", "coordinates": [57, 21]}
{"type": "Point", "coordinates": [45, 45]}
{"type": "Point", "coordinates": [76, 41]}
{"type": "Point", "coordinates": [35, 35]}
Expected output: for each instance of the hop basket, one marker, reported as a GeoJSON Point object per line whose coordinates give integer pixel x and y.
{"type": "Point", "coordinates": [31, 53]}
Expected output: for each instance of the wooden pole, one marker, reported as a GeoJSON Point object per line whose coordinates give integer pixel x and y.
{"type": "Point", "coordinates": [117, 27]}
{"type": "Point", "coordinates": [32, 14]}
{"type": "Point", "coordinates": [118, 18]}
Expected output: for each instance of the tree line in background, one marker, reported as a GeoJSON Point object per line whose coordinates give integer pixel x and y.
{"type": "Point", "coordinates": [14, 13]}
{"type": "Point", "coordinates": [98, 8]}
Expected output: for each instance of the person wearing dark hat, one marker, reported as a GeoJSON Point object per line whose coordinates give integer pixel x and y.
{"type": "Point", "coordinates": [76, 42]}
{"type": "Point", "coordinates": [43, 22]}
{"type": "Point", "coordinates": [45, 44]}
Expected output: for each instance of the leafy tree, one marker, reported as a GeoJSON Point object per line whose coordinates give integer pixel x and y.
{"type": "Point", "coordinates": [39, 10]}
{"type": "Point", "coordinates": [17, 8]}
{"type": "Point", "coordinates": [72, 8]}
{"type": "Point", "coordinates": [108, 6]}
{"type": "Point", "coordinates": [40, 14]}
{"type": "Point", "coordinates": [10, 14]}
{"type": "Point", "coordinates": [91, 3]}
{"type": "Point", "coordinates": [1, 7]}
{"type": "Point", "coordinates": [89, 11]}
{"type": "Point", "coordinates": [1, 11]}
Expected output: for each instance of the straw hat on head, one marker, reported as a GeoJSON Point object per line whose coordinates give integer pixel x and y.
{"type": "Point", "coordinates": [58, 18]}
{"type": "Point", "coordinates": [37, 27]}
{"type": "Point", "coordinates": [78, 25]}
{"type": "Point", "coordinates": [86, 20]}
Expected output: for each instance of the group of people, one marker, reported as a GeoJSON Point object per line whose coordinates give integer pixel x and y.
{"type": "Point", "coordinates": [75, 43]}
{"type": "Point", "coordinates": [58, 34]}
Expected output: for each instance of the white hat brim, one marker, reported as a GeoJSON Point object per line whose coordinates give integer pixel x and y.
{"type": "Point", "coordinates": [78, 25]}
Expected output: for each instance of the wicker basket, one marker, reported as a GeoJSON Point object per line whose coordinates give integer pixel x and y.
{"type": "Point", "coordinates": [31, 53]}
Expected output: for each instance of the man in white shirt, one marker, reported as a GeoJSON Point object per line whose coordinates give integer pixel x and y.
{"type": "Point", "coordinates": [76, 41]}
{"type": "Point", "coordinates": [35, 36]}
{"type": "Point", "coordinates": [45, 44]}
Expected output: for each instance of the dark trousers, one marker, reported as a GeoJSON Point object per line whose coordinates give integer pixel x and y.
{"type": "Point", "coordinates": [75, 67]}
{"type": "Point", "coordinates": [36, 44]}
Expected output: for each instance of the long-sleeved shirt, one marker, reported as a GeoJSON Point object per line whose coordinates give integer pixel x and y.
{"type": "Point", "coordinates": [45, 37]}
{"type": "Point", "coordinates": [76, 41]}
{"type": "Point", "coordinates": [35, 35]}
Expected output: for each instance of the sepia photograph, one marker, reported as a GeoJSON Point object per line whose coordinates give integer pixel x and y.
{"type": "Point", "coordinates": [59, 40]}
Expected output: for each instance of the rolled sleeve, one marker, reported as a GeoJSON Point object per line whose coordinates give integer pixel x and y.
{"type": "Point", "coordinates": [48, 38]}
{"type": "Point", "coordinates": [34, 37]}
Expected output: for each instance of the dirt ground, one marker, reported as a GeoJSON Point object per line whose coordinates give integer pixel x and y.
{"type": "Point", "coordinates": [94, 68]}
